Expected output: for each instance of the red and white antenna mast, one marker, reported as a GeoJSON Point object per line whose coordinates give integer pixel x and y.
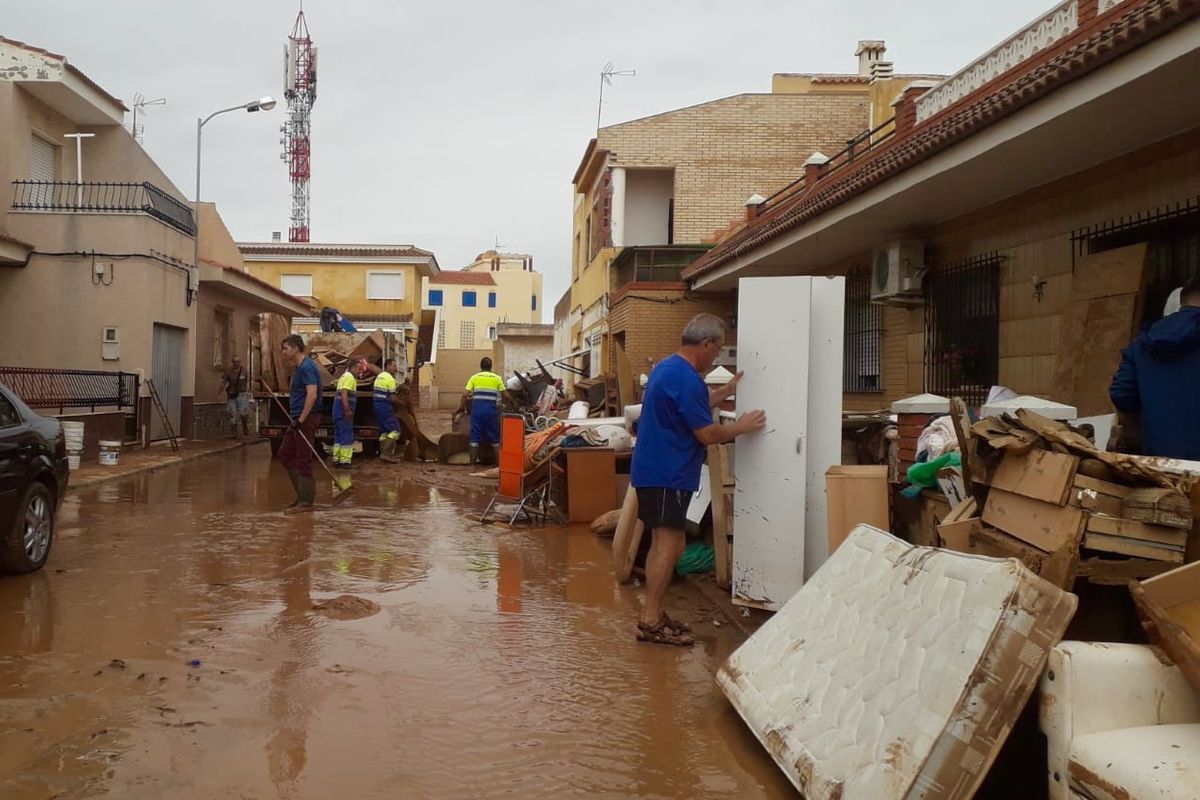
{"type": "Point", "coordinates": [300, 89]}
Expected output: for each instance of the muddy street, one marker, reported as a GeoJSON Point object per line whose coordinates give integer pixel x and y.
{"type": "Point", "coordinates": [171, 648]}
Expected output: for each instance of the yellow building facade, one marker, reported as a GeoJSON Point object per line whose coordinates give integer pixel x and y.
{"type": "Point", "coordinates": [375, 286]}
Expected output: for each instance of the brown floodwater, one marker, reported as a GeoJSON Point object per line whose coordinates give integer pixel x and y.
{"type": "Point", "coordinates": [170, 648]}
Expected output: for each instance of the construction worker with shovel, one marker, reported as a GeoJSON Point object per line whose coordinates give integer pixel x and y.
{"type": "Point", "coordinates": [297, 450]}
{"type": "Point", "coordinates": [383, 397]}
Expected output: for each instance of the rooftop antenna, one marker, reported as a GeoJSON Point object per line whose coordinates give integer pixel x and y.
{"type": "Point", "coordinates": [606, 76]}
{"type": "Point", "coordinates": [300, 89]}
{"type": "Point", "coordinates": [498, 245]}
{"type": "Point", "coordinates": [139, 104]}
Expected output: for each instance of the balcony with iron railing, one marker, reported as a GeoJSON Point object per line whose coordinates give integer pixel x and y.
{"type": "Point", "coordinates": [60, 197]}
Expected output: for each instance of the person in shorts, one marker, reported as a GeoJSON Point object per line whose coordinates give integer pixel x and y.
{"type": "Point", "coordinates": [675, 428]}
{"type": "Point", "coordinates": [235, 385]}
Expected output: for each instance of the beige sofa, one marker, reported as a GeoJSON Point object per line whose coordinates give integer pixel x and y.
{"type": "Point", "coordinates": [1121, 724]}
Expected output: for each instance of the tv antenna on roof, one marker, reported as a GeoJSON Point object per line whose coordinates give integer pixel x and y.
{"type": "Point", "coordinates": [139, 103]}
{"type": "Point", "coordinates": [606, 76]}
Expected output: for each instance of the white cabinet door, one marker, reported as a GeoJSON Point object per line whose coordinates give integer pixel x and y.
{"type": "Point", "coordinates": [769, 500]}
{"type": "Point", "coordinates": [790, 335]}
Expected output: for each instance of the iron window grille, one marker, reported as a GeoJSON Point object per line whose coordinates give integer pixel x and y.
{"type": "Point", "coordinates": [863, 336]}
{"type": "Point", "coordinates": [962, 328]}
{"type": "Point", "coordinates": [1172, 236]}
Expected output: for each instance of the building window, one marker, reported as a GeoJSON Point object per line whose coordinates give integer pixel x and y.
{"type": "Point", "coordinates": [533, 302]}
{"type": "Point", "coordinates": [468, 299]}
{"type": "Point", "coordinates": [862, 335]}
{"type": "Point", "coordinates": [466, 336]}
{"type": "Point", "coordinates": [492, 332]}
{"type": "Point", "coordinates": [491, 299]}
{"type": "Point", "coordinates": [962, 329]}
{"type": "Point", "coordinates": [43, 159]}
{"type": "Point", "coordinates": [441, 334]}
{"type": "Point", "coordinates": [576, 257]}
{"type": "Point", "coordinates": [222, 337]}
{"type": "Point", "coordinates": [385, 285]}
{"type": "Point", "coordinates": [1172, 236]}
{"type": "Point", "coordinates": [435, 297]}
{"type": "Point", "coordinates": [297, 285]}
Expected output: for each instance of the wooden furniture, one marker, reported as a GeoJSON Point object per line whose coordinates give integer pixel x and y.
{"type": "Point", "coordinates": [591, 482]}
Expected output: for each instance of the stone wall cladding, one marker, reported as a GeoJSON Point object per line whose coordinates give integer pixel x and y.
{"type": "Point", "coordinates": [728, 149]}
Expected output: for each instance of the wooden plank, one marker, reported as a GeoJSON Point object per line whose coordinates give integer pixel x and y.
{"type": "Point", "coordinates": [987, 541]}
{"type": "Point", "coordinates": [956, 535]}
{"type": "Point", "coordinates": [1158, 506]}
{"type": "Point", "coordinates": [1111, 272]}
{"type": "Point", "coordinates": [722, 511]}
{"type": "Point", "coordinates": [1102, 487]}
{"type": "Point", "coordinates": [1176, 634]}
{"type": "Point", "coordinates": [1133, 547]}
{"type": "Point", "coordinates": [1121, 568]}
{"type": "Point", "coordinates": [1038, 474]}
{"type": "Point", "coordinates": [1042, 525]}
{"type": "Point", "coordinates": [1091, 500]}
{"type": "Point", "coordinates": [625, 379]}
{"type": "Point", "coordinates": [1129, 529]}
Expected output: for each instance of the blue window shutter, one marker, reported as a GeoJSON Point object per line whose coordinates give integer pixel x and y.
{"type": "Point", "coordinates": [468, 299]}
{"type": "Point", "coordinates": [491, 299]}
{"type": "Point", "coordinates": [435, 297]}
{"type": "Point", "coordinates": [533, 305]}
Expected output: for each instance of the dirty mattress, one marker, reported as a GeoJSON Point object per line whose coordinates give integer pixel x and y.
{"type": "Point", "coordinates": [896, 671]}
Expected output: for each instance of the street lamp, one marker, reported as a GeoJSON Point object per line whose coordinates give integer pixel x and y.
{"type": "Point", "coordinates": [261, 104]}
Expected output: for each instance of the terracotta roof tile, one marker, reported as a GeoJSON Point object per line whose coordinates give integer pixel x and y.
{"type": "Point", "coordinates": [347, 250]}
{"type": "Point", "coordinates": [464, 278]}
{"type": "Point", "coordinates": [1087, 50]}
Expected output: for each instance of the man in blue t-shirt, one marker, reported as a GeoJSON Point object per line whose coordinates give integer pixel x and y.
{"type": "Point", "coordinates": [297, 451]}
{"type": "Point", "coordinates": [675, 427]}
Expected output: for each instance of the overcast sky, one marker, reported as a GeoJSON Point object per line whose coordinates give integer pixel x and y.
{"type": "Point", "coordinates": [448, 124]}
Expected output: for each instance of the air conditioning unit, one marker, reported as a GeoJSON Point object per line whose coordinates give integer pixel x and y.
{"type": "Point", "coordinates": [896, 272]}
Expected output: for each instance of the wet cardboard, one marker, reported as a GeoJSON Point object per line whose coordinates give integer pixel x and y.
{"type": "Point", "coordinates": [1169, 606]}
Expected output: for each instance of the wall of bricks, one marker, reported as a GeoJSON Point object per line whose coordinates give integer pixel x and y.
{"type": "Point", "coordinates": [728, 149]}
{"type": "Point", "coordinates": [653, 319]}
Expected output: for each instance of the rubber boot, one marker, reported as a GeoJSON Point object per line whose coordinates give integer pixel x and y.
{"type": "Point", "coordinates": [387, 451]}
{"type": "Point", "coordinates": [306, 491]}
{"type": "Point", "coordinates": [245, 426]}
{"type": "Point", "coordinates": [473, 459]}
{"type": "Point", "coordinates": [294, 477]}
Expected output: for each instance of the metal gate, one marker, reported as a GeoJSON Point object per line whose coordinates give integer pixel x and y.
{"type": "Point", "coordinates": [168, 377]}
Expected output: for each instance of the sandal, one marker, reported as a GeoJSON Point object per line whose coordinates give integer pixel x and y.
{"type": "Point", "coordinates": [661, 633]}
{"type": "Point", "coordinates": [679, 627]}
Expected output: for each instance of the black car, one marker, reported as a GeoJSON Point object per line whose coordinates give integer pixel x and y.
{"type": "Point", "coordinates": [33, 480]}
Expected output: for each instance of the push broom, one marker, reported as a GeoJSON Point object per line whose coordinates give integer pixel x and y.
{"type": "Point", "coordinates": [344, 493]}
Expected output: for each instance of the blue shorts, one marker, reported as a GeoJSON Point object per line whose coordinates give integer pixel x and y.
{"type": "Point", "coordinates": [343, 431]}
{"type": "Point", "coordinates": [386, 417]}
{"type": "Point", "coordinates": [485, 424]}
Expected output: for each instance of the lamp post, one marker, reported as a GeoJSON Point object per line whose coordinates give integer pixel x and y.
{"type": "Point", "coordinates": [261, 104]}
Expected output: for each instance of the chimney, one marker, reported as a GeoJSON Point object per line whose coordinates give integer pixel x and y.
{"type": "Point", "coordinates": [869, 51]}
{"type": "Point", "coordinates": [815, 167]}
{"type": "Point", "coordinates": [276, 236]}
{"type": "Point", "coordinates": [753, 204]}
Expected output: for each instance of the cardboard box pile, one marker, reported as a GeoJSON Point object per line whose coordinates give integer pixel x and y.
{"type": "Point", "coordinates": [1045, 495]}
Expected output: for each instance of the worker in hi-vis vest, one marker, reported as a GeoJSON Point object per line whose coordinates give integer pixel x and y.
{"type": "Point", "coordinates": [482, 396]}
{"type": "Point", "coordinates": [385, 414]}
{"type": "Point", "coordinates": [345, 400]}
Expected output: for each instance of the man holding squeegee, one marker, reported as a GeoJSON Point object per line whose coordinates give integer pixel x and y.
{"type": "Point", "coordinates": [296, 451]}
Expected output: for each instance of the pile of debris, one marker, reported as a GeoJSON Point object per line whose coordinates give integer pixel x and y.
{"type": "Point", "coordinates": [1042, 492]}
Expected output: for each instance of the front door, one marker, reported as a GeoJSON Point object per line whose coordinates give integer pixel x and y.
{"type": "Point", "coordinates": [167, 373]}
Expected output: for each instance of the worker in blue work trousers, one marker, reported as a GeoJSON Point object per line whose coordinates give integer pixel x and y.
{"type": "Point", "coordinates": [344, 402]}
{"type": "Point", "coordinates": [384, 397]}
{"type": "Point", "coordinates": [482, 397]}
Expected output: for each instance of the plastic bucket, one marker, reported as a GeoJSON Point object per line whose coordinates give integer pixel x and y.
{"type": "Point", "coordinates": [110, 452]}
{"type": "Point", "coordinates": [72, 462]}
{"type": "Point", "coordinates": [73, 436]}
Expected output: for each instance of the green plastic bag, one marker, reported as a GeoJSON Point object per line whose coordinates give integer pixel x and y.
{"type": "Point", "coordinates": [925, 473]}
{"type": "Point", "coordinates": [697, 557]}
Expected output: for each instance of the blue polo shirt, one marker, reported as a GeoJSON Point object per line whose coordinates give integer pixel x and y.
{"type": "Point", "coordinates": [305, 375]}
{"type": "Point", "coordinates": [668, 454]}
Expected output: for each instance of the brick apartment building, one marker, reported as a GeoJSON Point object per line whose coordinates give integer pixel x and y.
{"type": "Point", "coordinates": [652, 194]}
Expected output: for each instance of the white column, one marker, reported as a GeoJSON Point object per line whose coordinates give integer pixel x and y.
{"type": "Point", "coordinates": [618, 207]}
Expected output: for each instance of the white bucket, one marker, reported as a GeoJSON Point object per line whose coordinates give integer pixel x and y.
{"type": "Point", "coordinates": [73, 435]}
{"type": "Point", "coordinates": [72, 462]}
{"type": "Point", "coordinates": [579, 410]}
{"type": "Point", "coordinates": [110, 452]}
